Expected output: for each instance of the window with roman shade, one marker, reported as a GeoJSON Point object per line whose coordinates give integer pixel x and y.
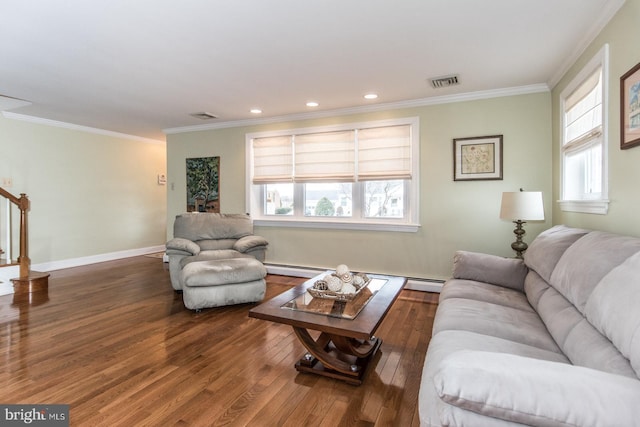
{"type": "Point", "coordinates": [583, 147]}
{"type": "Point", "coordinates": [354, 173]}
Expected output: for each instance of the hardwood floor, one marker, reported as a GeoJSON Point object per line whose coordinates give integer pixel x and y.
{"type": "Point", "coordinates": [115, 342]}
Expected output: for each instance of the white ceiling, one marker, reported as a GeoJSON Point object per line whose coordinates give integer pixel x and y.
{"type": "Point", "coordinates": [139, 67]}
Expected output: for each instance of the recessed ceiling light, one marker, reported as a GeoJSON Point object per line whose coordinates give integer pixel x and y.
{"type": "Point", "coordinates": [312, 104]}
{"type": "Point", "coordinates": [370, 96]}
{"type": "Point", "coordinates": [256, 111]}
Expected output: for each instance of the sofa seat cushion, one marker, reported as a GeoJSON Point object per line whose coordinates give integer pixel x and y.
{"type": "Point", "coordinates": [480, 291]}
{"type": "Point", "coordinates": [213, 256]}
{"type": "Point", "coordinates": [223, 272]}
{"type": "Point", "coordinates": [528, 391]}
{"type": "Point", "coordinates": [445, 343]}
{"type": "Point", "coordinates": [514, 324]}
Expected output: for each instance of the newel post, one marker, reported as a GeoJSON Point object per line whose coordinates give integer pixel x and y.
{"type": "Point", "coordinates": [23, 259]}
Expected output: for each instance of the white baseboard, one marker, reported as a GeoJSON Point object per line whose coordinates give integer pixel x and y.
{"type": "Point", "coordinates": [425, 285]}
{"type": "Point", "coordinates": [6, 288]}
{"type": "Point", "coordinates": [93, 259]}
{"type": "Point", "coordinates": [6, 274]}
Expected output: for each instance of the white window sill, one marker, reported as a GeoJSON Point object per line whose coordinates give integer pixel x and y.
{"type": "Point", "coordinates": [336, 225]}
{"type": "Point", "coordinates": [600, 207]}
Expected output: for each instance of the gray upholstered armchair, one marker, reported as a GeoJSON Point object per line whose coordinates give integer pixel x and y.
{"type": "Point", "coordinates": [211, 236]}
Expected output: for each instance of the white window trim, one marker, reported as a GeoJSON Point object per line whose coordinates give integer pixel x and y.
{"type": "Point", "coordinates": [601, 205]}
{"type": "Point", "coordinates": [380, 224]}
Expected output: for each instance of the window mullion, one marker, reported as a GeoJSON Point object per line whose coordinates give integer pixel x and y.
{"type": "Point", "coordinates": [298, 200]}
{"type": "Point", "coordinates": [357, 201]}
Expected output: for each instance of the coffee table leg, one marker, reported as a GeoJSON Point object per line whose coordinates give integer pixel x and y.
{"type": "Point", "coordinates": [336, 356]}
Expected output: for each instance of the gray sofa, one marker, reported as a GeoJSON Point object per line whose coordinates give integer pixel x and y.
{"type": "Point", "coordinates": [553, 340]}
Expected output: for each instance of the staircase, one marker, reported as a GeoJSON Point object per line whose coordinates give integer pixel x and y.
{"type": "Point", "coordinates": [15, 274]}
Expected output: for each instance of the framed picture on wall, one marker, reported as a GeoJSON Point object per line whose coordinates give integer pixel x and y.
{"type": "Point", "coordinates": [630, 108]}
{"type": "Point", "coordinates": [477, 158]}
{"type": "Point", "coordinates": [203, 183]}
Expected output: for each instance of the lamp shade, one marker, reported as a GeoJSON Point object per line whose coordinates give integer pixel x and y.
{"type": "Point", "coordinates": [522, 205]}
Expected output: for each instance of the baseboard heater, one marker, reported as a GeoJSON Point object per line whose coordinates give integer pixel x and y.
{"type": "Point", "coordinates": [413, 283]}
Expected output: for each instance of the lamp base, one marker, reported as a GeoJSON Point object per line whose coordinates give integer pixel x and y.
{"type": "Point", "coordinates": [519, 245]}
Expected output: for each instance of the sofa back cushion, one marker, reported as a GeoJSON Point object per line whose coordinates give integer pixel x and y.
{"type": "Point", "coordinates": [204, 226]}
{"type": "Point", "coordinates": [587, 261]}
{"type": "Point", "coordinates": [546, 249]}
{"type": "Point", "coordinates": [578, 339]}
{"type": "Point", "coordinates": [577, 262]}
{"type": "Point", "coordinates": [613, 309]}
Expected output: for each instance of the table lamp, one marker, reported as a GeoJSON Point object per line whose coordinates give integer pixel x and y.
{"type": "Point", "coordinates": [520, 207]}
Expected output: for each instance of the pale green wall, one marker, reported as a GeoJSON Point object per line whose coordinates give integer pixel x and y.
{"type": "Point", "coordinates": [622, 34]}
{"type": "Point", "coordinates": [453, 215]}
{"type": "Point", "coordinates": [90, 194]}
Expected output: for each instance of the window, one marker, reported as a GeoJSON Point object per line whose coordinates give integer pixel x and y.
{"type": "Point", "coordinates": [362, 176]}
{"type": "Point", "coordinates": [584, 139]}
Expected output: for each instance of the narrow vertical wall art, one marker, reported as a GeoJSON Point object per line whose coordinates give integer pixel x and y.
{"type": "Point", "coordinates": [203, 184]}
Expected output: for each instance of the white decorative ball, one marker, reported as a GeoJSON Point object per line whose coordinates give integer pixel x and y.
{"type": "Point", "coordinates": [348, 288]}
{"type": "Point", "coordinates": [358, 281]}
{"type": "Point", "coordinates": [333, 283]}
{"type": "Point", "coordinates": [347, 278]}
{"type": "Point", "coordinates": [341, 270]}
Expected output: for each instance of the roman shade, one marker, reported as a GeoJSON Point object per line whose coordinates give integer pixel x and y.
{"type": "Point", "coordinates": [377, 153]}
{"type": "Point", "coordinates": [384, 153]}
{"type": "Point", "coordinates": [272, 159]}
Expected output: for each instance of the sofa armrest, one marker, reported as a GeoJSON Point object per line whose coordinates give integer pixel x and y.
{"type": "Point", "coordinates": [180, 246]}
{"type": "Point", "coordinates": [505, 272]}
{"type": "Point", "coordinates": [246, 243]}
{"type": "Point", "coordinates": [536, 392]}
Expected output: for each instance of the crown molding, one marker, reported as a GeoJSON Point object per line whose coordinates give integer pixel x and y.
{"type": "Point", "coordinates": [436, 100]}
{"type": "Point", "coordinates": [71, 126]}
{"type": "Point", "coordinates": [608, 11]}
{"type": "Point", "coordinates": [8, 103]}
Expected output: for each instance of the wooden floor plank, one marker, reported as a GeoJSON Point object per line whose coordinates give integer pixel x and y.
{"type": "Point", "coordinates": [115, 342]}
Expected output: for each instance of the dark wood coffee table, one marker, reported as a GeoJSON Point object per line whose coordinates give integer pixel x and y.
{"type": "Point", "coordinates": [346, 343]}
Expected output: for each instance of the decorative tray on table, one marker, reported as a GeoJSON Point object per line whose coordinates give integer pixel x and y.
{"type": "Point", "coordinates": [341, 285]}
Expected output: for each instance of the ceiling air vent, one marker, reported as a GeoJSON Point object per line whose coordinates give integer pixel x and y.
{"type": "Point", "coordinates": [444, 81]}
{"type": "Point", "coordinates": [203, 116]}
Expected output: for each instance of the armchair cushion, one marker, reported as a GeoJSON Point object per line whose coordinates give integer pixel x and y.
{"type": "Point", "coordinates": [536, 392]}
{"type": "Point", "coordinates": [182, 245]}
{"type": "Point", "coordinates": [247, 243]}
{"type": "Point", "coordinates": [213, 256]}
{"type": "Point", "coordinates": [212, 226]}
